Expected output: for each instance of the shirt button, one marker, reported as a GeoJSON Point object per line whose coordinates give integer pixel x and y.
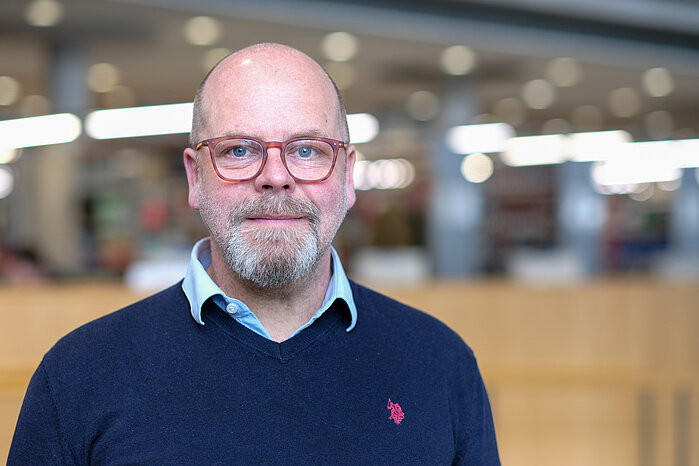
{"type": "Point", "coordinates": [232, 308]}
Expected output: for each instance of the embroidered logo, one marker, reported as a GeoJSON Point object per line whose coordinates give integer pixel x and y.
{"type": "Point", "coordinates": [397, 413]}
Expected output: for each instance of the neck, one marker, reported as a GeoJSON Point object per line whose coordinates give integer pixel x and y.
{"type": "Point", "coordinates": [282, 310]}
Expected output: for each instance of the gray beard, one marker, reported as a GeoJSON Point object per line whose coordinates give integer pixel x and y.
{"type": "Point", "coordinates": [268, 257]}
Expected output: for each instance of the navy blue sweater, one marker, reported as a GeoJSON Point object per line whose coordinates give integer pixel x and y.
{"type": "Point", "coordinates": [148, 385]}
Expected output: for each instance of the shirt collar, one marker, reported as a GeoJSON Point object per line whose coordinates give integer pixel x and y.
{"type": "Point", "coordinates": [199, 287]}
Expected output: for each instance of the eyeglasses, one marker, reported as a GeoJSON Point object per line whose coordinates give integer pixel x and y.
{"type": "Point", "coordinates": [307, 159]}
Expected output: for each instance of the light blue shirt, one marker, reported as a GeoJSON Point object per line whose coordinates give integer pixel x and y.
{"type": "Point", "coordinates": [198, 287]}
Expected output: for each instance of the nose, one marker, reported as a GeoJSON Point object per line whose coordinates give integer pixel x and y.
{"type": "Point", "coordinates": [274, 176]}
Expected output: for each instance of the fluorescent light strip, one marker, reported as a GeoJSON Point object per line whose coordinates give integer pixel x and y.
{"type": "Point", "coordinates": [535, 150]}
{"type": "Point", "coordinates": [683, 153]}
{"type": "Point", "coordinates": [177, 118]}
{"type": "Point", "coordinates": [139, 121]}
{"type": "Point", "coordinates": [39, 131]}
{"type": "Point", "coordinates": [647, 162]}
{"type": "Point", "coordinates": [595, 146]}
{"type": "Point", "coordinates": [690, 152]}
{"type": "Point", "coordinates": [488, 138]}
{"type": "Point", "coordinates": [559, 148]}
{"type": "Point", "coordinates": [628, 172]}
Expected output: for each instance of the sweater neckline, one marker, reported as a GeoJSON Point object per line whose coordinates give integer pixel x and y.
{"type": "Point", "coordinates": [329, 322]}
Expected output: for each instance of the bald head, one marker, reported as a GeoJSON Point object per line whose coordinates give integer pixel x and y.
{"type": "Point", "coordinates": [267, 65]}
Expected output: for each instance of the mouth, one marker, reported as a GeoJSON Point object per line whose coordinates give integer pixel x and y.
{"type": "Point", "coordinates": [274, 217]}
{"type": "Point", "coordinates": [276, 220]}
{"type": "Point", "coordinates": [276, 213]}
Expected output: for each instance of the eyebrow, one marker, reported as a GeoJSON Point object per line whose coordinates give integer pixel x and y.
{"type": "Point", "coordinates": [313, 132]}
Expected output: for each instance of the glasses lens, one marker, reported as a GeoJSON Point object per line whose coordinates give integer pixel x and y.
{"type": "Point", "coordinates": [238, 159]}
{"type": "Point", "coordinates": [308, 159]}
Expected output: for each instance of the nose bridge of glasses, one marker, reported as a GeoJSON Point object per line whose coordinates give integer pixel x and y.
{"type": "Point", "coordinates": [275, 145]}
{"type": "Point", "coordinates": [273, 161]}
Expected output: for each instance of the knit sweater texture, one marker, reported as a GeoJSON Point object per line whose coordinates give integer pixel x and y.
{"type": "Point", "coordinates": [148, 385]}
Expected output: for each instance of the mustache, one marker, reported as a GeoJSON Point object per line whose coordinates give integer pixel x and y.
{"type": "Point", "coordinates": [275, 204]}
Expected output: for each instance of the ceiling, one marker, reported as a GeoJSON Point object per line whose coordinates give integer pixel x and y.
{"type": "Point", "coordinates": [399, 52]}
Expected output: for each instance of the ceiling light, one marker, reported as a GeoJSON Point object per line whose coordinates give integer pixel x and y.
{"type": "Point", "coordinates": [647, 162]}
{"type": "Point", "coordinates": [644, 193]}
{"type": "Point", "coordinates": [39, 131]}
{"type": "Point", "coordinates": [7, 182]}
{"type": "Point", "coordinates": [407, 172]}
{"type": "Point", "coordinates": [202, 30]}
{"type": "Point", "coordinates": [624, 102]}
{"type": "Point", "coordinates": [391, 174]}
{"type": "Point", "coordinates": [669, 186]}
{"type": "Point", "coordinates": [477, 168]}
{"type": "Point", "coordinates": [458, 60]}
{"type": "Point", "coordinates": [9, 90]}
{"type": "Point", "coordinates": [687, 150]}
{"type": "Point", "coordinates": [9, 155]}
{"type": "Point", "coordinates": [177, 118]}
{"type": "Point", "coordinates": [102, 77]}
{"type": "Point", "coordinates": [340, 46]}
{"type": "Point", "coordinates": [564, 72]}
{"type": "Point", "coordinates": [682, 153]}
{"type": "Point", "coordinates": [657, 82]}
{"type": "Point", "coordinates": [595, 146]}
{"type": "Point", "coordinates": [360, 175]}
{"type": "Point", "coordinates": [608, 190]}
{"type": "Point", "coordinates": [43, 13]}
{"type": "Point", "coordinates": [535, 150]}
{"type": "Point", "coordinates": [139, 121]}
{"type": "Point", "coordinates": [538, 94]}
{"type": "Point", "coordinates": [423, 105]}
{"type": "Point", "coordinates": [383, 174]}
{"type": "Point", "coordinates": [489, 137]}
{"type": "Point", "coordinates": [634, 170]}
{"type": "Point", "coordinates": [363, 127]}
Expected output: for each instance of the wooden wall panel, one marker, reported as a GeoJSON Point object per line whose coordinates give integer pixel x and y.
{"type": "Point", "coordinates": [577, 374]}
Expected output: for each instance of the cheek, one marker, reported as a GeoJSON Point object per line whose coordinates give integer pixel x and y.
{"type": "Point", "coordinates": [332, 203]}
{"type": "Point", "coordinates": [203, 192]}
{"type": "Point", "coordinates": [212, 188]}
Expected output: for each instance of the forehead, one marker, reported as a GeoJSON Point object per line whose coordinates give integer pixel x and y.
{"type": "Point", "coordinates": [270, 95]}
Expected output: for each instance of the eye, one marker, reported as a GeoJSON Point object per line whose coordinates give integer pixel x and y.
{"type": "Point", "coordinates": [305, 151]}
{"type": "Point", "coordinates": [238, 151]}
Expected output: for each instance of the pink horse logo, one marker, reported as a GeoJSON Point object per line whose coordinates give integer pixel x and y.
{"type": "Point", "coordinates": [397, 413]}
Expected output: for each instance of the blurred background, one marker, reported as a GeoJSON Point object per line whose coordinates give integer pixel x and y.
{"type": "Point", "coordinates": [528, 173]}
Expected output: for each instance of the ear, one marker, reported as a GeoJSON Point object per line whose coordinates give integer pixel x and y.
{"type": "Point", "coordinates": [190, 166]}
{"type": "Point", "coordinates": [349, 176]}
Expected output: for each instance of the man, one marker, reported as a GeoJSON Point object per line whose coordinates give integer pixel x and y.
{"type": "Point", "coordinates": [266, 353]}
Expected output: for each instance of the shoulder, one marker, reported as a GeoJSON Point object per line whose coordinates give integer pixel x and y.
{"type": "Point", "coordinates": [149, 310]}
{"type": "Point", "coordinates": [132, 325]}
{"type": "Point", "coordinates": [396, 320]}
